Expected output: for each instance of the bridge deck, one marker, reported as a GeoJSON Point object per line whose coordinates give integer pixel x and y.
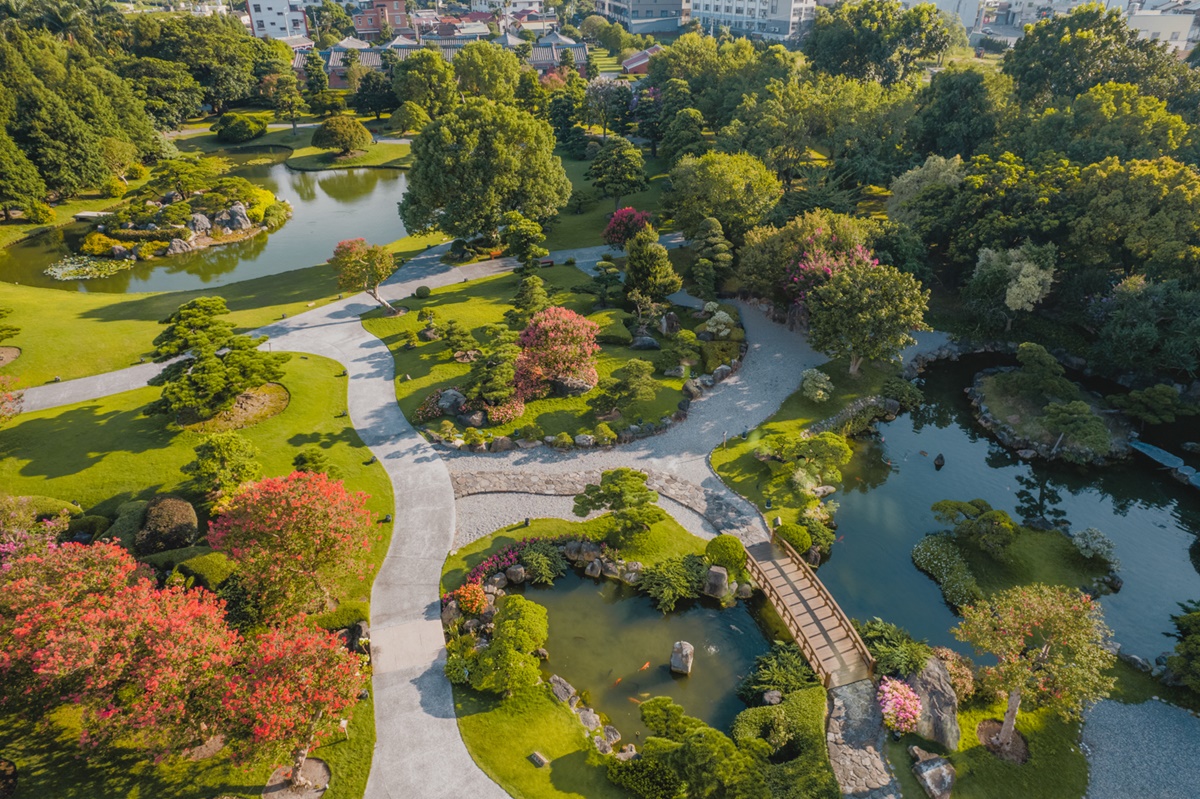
{"type": "Point", "coordinates": [823, 632]}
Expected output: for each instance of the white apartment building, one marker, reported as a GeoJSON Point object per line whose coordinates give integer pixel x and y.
{"type": "Point", "coordinates": [1171, 29]}
{"type": "Point", "coordinates": [276, 19]}
{"type": "Point", "coordinates": [770, 19]}
{"type": "Point", "coordinates": [646, 16]}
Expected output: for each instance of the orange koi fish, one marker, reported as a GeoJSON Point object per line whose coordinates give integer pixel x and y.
{"type": "Point", "coordinates": [635, 701]}
{"type": "Point", "coordinates": [645, 666]}
{"type": "Point", "coordinates": [618, 682]}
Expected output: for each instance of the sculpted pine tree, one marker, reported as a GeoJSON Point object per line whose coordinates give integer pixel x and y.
{"type": "Point", "coordinates": [1048, 642]}
{"type": "Point", "coordinates": [624, 493]}
{"type": "Point", "coordinates": [866, 311]}
{"type": "Point", "coordinates": [618, 170]}
{"type": "Point", "coordinates": [342, 133]}
{"type": "Point", "coordinates": [648, 269]}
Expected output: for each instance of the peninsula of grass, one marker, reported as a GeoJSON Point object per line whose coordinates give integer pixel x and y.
{"type": "Point", "coordinates": [303, 156]}
{"type": "Point", "coordinates": [71, 334]}
{"type": "Point", "coordinates": [735, 463]}
{"type": "Point", "coordinates": [584, 229]}
{"type": "Point", "coordinates": [430, 365]}
{"type": "Point", "coordinates": [64, 214]}
{"type": "Point", "coordinates": [104, 452]}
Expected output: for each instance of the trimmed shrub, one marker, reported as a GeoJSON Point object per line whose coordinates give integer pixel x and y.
{"type": "Point", "coordinates": [896, 652]}
{"type": "Point", "coordinates": [347, 614]}
{"type": "Point", "coordinates": [49, 507]}
{"type": "Point", "coordinates": [564, 441]}
{"type": "Point", "coordinates": [795, 730]}
{"type": "Point", "coordinates": [315, 461]}
{"type": "Point", "coordinates": [275, 214]}
{"type": "Point", "coordinates": [235, 128]}
{"type": "Point", "coordinates": [615, 331]}
{"type": "Point", "coordinates": [1095, 545]}
{"type": "Point", "coordinates": [530, 432]}
{"type": "Point", "coordinates": [900, 705]}
{"type": "Point", "coordinates": [822, 534]}
{"type": "Point", "coordinates": [961, 669]}
{"type": "Point", "coordinates": [797, 535]}
{"type": "Point", "coordinates": [179, 213]}
{"type": "Point", "coordinates": [471, 598]}
{"type": "Point", "coordinates": [815, 385]}
{"type": "Point", "coordinates": [604, 434]}
{"type": "Point", "coordinates": [645, 778]}
{"type": "Point", "coordinates": [242, 609]}
{"type": "Point", "coordinates": [112, 188]}
{"type": "Point", "coordinates": [97, 244]}
{"type": "Point", "coordinates": [782, 669]}
{"type": "Point", "coordinates": [939, 557]}
{"type": "Point", "coordinates": [130, 518]}
{"type": "Point", "coordinates": [208, 571]}
{"type": "Point", "coordinates": [93, 526]}
{"type": "Point", "coordinates": [423, 292]}
{"type": "Point", "coordinates": [169, 559]}
{"type": "Point", "coordinates": [673, 579]}
{"type": "Point", "coordinates": [171, 523]}
{"type": "Point", "coordinates": [715, 353]}
{"type": "Point", "coordinates": [39, 213]}
{"type": "Point", "coordinates": [729, 552]}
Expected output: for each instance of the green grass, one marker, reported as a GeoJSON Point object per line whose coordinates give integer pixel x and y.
{"type": "Point", "coordinates": [501, 734]}
{"type": "Point", "coordinates": [1056, 768]}
{"type": "Point", "coordinates": [664, 540]}
{"type": "Point", "coordinates": [735, 463]}
{"type": "Point", "coordinates": [74, 334]}
{"type": "Point", "coordinates": [584, 230]}
{"type": "Point", "coordinates": [64, 213]}
{"type": "Point", "coordinates": [476, 304]}
{"type": "Point", "coordinates": [606, 62]}
{"type": "Point", "coordinates": [304, 156]}
{"type": "Point", "coordinates": [1035, 556]}
{"type": "Point", "coordinates": [104, 452]}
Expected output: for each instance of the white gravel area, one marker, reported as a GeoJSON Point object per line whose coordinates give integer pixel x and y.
{"type": "Point", "coordinates": [1146, 751]}
{"type": "Point", "coordinates": [482, 514]}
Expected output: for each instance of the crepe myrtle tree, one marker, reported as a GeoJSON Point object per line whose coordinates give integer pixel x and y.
{"type": "Point", "coordinates": [363, 267]}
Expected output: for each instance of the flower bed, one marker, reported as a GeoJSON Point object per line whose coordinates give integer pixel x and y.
{"type": "Point", "coordinates": [900, 705]}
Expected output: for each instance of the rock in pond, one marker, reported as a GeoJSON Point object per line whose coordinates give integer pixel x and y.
{"type": "Point", "coordinates": [515, 574]}
{"type": "Point", "coordinates": [717, 582]}
{"type": "Point", "coordinates": [563, 690]}
{"type": "Point", "coordinates": [682, 655]}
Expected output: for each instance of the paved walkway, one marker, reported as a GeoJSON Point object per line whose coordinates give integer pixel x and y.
{"type": "Point", "coordinates": [418, 749]}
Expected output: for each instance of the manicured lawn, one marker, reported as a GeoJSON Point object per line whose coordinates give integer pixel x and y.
{"type": "Point", "coordinates": [606, 61]}
{"type": "Point", "coordinates": [663, 540]}
{"type": "Point", "coordinates": [74, 334]}
{"type": "Point", "coordinates": [15, 230]}
{"type": "Point", "coordinates": [501, 734]}
{"type": "Point", "coordinates": [104, 452]}
{"type": "Point", "coordinates": [304, 156]}
{"type": "Point", "coordinates": [735, 463]}
{"type": "Point", "coordinates": [430, 365]}
{"type": "Point", "coordinates": [1056, 768]}
{"type": "Point", "coordinates": [583, 230]}
{"type": "Point", "coordinates": [1036, 556]}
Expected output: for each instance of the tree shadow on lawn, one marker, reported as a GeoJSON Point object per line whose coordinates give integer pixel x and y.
{"type": "Point", "coordinates": [78, 439]}
{"type": "Point", "coordinates": [326, 440]}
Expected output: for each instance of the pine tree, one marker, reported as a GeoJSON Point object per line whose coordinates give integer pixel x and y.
{"type": "Point", "coordinates": [531, 298]}
{"type": "Point", "coordinates": [19, 178]}
{"type": "Point", "coordinates": [57, 141]}
{"type": "Point", "coordinates": [618, 170]}
{"type": "Point", "coordinates": [648, 269]}
{"type": "Point", "coordinates": [315, 78]}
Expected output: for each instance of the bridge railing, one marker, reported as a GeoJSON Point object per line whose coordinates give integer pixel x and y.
{"type": "Point", "coordinates": [842, 619]}
{"type": "Point", "coordinates": [789, 621]}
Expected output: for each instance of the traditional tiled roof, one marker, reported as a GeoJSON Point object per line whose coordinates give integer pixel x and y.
{"type": "Point", "coordinates": [350, 43]}
{"type": "Point", "coordinates": [550, 55]}
{"type": "Point", "coordinates": [543, 56]}
{"type": "Point", "coordinates": [402, 41]}
{"type": "Point", "coordinates": [554, 37]}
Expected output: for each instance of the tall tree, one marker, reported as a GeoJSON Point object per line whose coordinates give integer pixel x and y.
{"type": "Point", "coordinates": [608, 101]}
{"type": "Point", "coordinates": [316, 80]}
{"type": "Point", "coordinates": [224, 461]}
{"type": "Point", "coordinates": [866, 310]}
{"type": "Point", "coordinates": [736, 189]}
{"type": "Point", "coordinates": [20, 182]}
{"type": "Point", "coordinates": [648, 267]}
{"type": "Point", "coordinates": [875, 39]}
{"type": "Point", "coordinates": [293, 538]}
{"type": "Point", "coordinates": [167, 89]}
{"type": "Point", "coordinates": [618, 170]}
{"type": "Point", "coordinates": [961, 110]}
{"type": "Point", "coordinates": [487, 71]}
{"type": "Point", "coordinates": [426, 79]}
{"type": "Point", "coordinates": [1049, 644]}
{"type": "Point", "coordinates": [684, 135]}
{"type": "Point", "coordinates": [283, 91]}
{"type": "Point", "coordinates": [473, 165]}
{"type": "Point", "coordinates": [374, 95]}
{"type": "Point", "coordinates": [363, 267]}
{"type": "Point", "coordinates": [59, 144]}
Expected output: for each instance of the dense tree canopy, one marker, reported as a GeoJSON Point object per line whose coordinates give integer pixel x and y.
{"type": "Point", "coordinates": [875, 39]}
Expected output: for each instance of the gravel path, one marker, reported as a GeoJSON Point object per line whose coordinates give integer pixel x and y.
{"type": "Point", "coordinates": [1147, 750]}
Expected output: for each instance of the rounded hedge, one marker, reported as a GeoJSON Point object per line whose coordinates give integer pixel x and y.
{"type": "Point", "coordinates": [91, 526]}
{"type": "Point", "coordinates": [209, 571]}
{"type": "Point", "coordinates": [171, 523]}
{"type": "Point", "coordinates": [423, 292]}
{"type": "Point", "coordinates": [727, 551]}
{"type": "Point", "coordinates": [797, 535]}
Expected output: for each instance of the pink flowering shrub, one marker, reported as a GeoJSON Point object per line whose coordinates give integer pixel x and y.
{"type": "Point", "coordinates": [507, 411]}
{"type": "Point", "coordinates": [624, 225]}
{"type": "Point", "coordinates": [900, 705]}
{"type": "Point", "coordinates": [817, 264]}
{"type": "Point", "coordinates": [558, 343]}
{"type": "Point", "coordinates": [428, 410]}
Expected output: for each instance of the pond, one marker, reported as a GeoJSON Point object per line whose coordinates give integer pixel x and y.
{"type": "Point", "coordinates": [602, 633]}
{"type": "Point", "coordinates": [890, 485]}
{"type": "Point", "coordinates": [328, 207]}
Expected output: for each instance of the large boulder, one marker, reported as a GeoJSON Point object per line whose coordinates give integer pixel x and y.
{"type": "Point", "coordinates": [692, 390]}
{"type": "Point", "coordinates": [682, 655]}
{"type": "Point", "coordinates": [938, 721]}
{"type": "Point", "coordinates": [177, 247]}
{"type": "Point", "coordinates": [563, 690]}
{"type": "Point", "coordinates": [200, 223]}
{"type": "Point", "coordinates": [238, 219]}
{"type": "Point", "coordinates": [645, 343]}
{"type": "Point", "coordinates": [717, 582]}
{"type": "Point", "coordinates": [515, 574]}
{"type": "Point", "coordinates": [588, 718]}
{"type": "Point", "coordinates": [474, 419]}
{"type": "Point", "coordinates": [669, 324]}
{"type": "Point", "coordinates": [502, 444]}
{"type": "Point", "coordinates": [451, 402]}
{"type": "Point", "coordinates": [934, 774]}
{"type": "Point", "coordinates": [569, 386]}
{"type": "Point", "coordinates": [721, 372]}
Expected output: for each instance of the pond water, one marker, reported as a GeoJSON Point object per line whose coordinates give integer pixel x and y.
{"type": "Point", "coordinates": [327, 207]}
{"type": "Point", "coordinates": [890, 485]}
{"type": "Point", "coordinates": [602, 633]}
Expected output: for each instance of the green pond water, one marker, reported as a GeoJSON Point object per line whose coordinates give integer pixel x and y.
{"type": "Point", "coordinates": [602, 634]}
{"type": "Point", "coordinates": [889, 487]}
{"type": "Point", "coordinates": [327, 207]}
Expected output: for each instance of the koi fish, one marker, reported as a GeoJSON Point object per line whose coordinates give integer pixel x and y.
{"type": "Point", "coordinates": [635, 700]}
{"type": "Point", "coordinates": [841, 538]}
{"type": "Point", "coordinates": [618, 682]}
{"type": "Point", "coordinates": [644, 693]}
{"type": "Point", "coordinates": [923, 453]}
{"type": "Point", "coordinates": [736, 629]}
{"type": "Point", "coordinates": [645, 666]}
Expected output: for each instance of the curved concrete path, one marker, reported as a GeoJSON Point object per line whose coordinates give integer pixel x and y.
{"type": "Point", "coordinates": [418, 750]}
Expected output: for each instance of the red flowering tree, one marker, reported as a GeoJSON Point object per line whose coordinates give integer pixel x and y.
{"type": "Point", "coordinates": [558, 344]}
{"type": "Point", "coordinates": [144, 665]}
{"type": "Point", "coordinates": [11, 399]}
{"type": "Point", "coordinates": [288, 692]}
{"type": "Point", "coordinates": [624, 225]}
{"type": "Point", "coordinates": [294, 537]}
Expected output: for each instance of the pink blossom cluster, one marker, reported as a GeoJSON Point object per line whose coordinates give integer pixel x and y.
{"type": "Point", "coordinates": [501, 560]}
{"type": "Point", "coordinates": [900, 705]}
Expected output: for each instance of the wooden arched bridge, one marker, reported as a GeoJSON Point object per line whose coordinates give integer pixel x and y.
{"type": "Point", "coordinates": [822, 630]}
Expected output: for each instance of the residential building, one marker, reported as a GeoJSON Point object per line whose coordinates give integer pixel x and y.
{"type": "Point", "coordinates": [513, 6]}
{"type": "Point", "coordinates": [767, 19]}
{"type": "Point", "coordinates": [646, 16]}
{"type": "Point", "coordinates": [1170, 29]}
{"type": "Point", "coordinates": [277, 19]}
{"type": "Point", "coordinates": [369, 20]}
{"type": "Point", "coordinates": [1189, 8]}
